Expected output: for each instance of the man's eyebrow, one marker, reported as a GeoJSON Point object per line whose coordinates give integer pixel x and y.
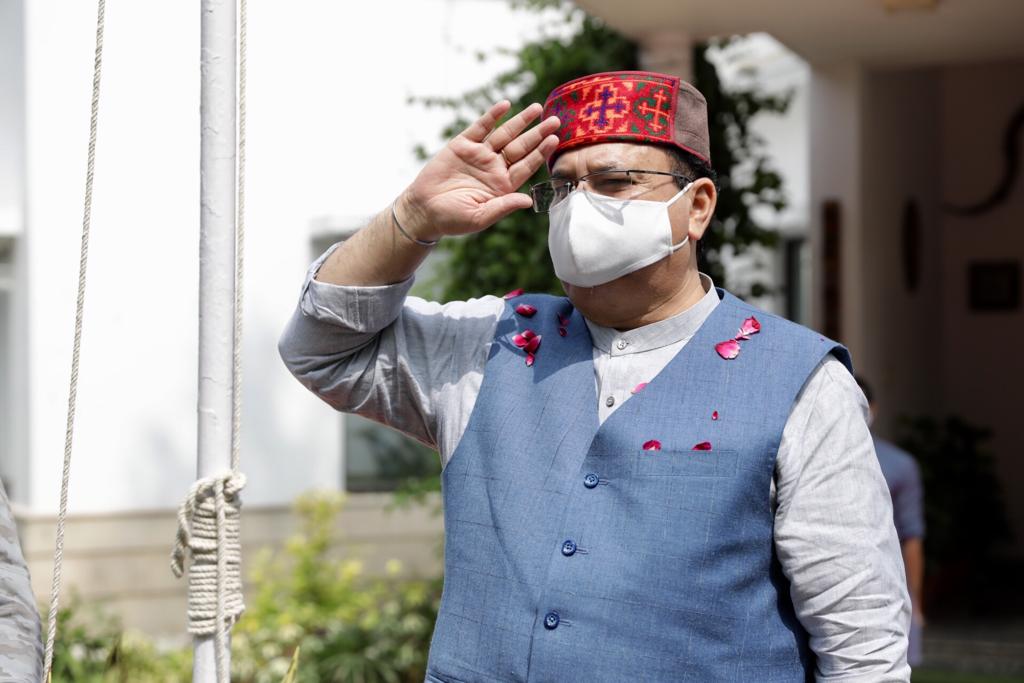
{"type": "Point", "coordinates": [596, 167]}
{"type": "Point", "coordinates": [607, 165]}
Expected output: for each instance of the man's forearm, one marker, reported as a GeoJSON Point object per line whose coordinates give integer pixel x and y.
{"type": "Point", "coordinates": [913, 561]}
{"type": "Point", "coordinates": [379, 254]}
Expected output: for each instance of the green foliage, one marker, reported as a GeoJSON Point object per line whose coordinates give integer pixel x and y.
{"type": "Point", "coordinates": [746, 176]}
{"type": "Point", "coordinates": [92, 648]}
{"type": "Point", "coordinates": [350, 628]}
{"type": "Point", "coordinates": [314, 618]}
{"type": "Point", "coordinates": [514, 252]}
{"type": "Point", "coordinates": [964, 510]}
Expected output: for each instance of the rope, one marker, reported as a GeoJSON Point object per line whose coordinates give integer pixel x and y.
{"type": "Point", "coordinates": [209, 518]}
{"type": "Point", "coordinates": [208, 529]}
{"type": "Point", "coordinates": [58, 557]}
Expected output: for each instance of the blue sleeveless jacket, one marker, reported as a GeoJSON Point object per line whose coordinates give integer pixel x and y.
{"type": "Point", "coordinates": [574, 554]}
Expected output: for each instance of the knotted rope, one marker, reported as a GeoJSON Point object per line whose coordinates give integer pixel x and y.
{"type": "Point", "coordinates": [208, 529]}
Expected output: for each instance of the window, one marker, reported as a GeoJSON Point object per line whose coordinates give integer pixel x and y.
{"type": "Point", "coordinates": [797, 265]}
{"type": "Point", "coordinates": [380, 459]}
{"type": "Point", "coordinates": [375, 457]}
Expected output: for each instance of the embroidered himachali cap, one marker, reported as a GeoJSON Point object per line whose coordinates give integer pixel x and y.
{"type": "Point", "coordinates": [630, 106]}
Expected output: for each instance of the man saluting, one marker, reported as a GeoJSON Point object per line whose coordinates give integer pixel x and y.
{"type": "Point", "coordinates": [647, 479]}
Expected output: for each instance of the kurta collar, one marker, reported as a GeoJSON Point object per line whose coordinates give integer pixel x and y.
{"type": "Point", "coordinates": [679, 327]}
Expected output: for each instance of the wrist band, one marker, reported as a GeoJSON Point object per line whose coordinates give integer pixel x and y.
{"type": "Point", "coordinates": [422, 243]}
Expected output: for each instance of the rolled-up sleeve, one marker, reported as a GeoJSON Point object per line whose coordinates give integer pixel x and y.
{"type": "Point", "coordinates": [908, 503]}
{"type": "Point", "coordinates": [21, 647]}
{"type": "Point", "coordinates": [380, 353]}
{"type": "Point", "coordinates": [835, 537]}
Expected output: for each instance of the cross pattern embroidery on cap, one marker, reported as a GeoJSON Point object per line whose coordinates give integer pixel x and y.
{"type": "Point", "coordinates": [657, 115]}
{"type": "Point", "coordinates": [607, 111]}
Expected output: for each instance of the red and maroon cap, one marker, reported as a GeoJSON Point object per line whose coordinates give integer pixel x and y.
{"type": "Point", "coordinates": [630, 106]}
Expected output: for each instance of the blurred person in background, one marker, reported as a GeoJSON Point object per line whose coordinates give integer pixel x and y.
{"type": "Point", "coordinates": [21, 647]}
{"type": "Point", "coordinates": [903, 477]}
{"type": "Point", "coordinates": [672, 484]}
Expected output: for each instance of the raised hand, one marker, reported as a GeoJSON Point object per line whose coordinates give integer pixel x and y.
{"type": "Point", "coordinates": [471, 184]}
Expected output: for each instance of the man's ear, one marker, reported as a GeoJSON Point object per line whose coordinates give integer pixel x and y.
{"type": "Point", "coordinates": [702, 206]}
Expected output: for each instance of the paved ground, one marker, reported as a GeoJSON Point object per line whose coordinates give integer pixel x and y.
{"type": "Point", "coordinates": [967, 651]}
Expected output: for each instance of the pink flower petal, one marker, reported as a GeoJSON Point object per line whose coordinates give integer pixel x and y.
{"type": "Point", "coordinates": [563, 320]}
{"type": "Point", "coordinates": [750, 326]}
{"type": "Point", "coordinates": [638, 388]}
{"type": "Point", "coordinates": [526, 310]}
{"type": "Point", "coordinates": [652, 445]}
{"type": "Point", "coordinates": [513, 294]}
{"type": "Point", "coordinates": [523, 340]}
{"type": "Point", "coordinates": [703, 446]}
{"type": "Point", "coordinates": [562, 331]}
{"type": "Point", "coordinates": [533, 344]}
{"type": "Point", "coordinates": [714, 415]}
{"type": "Point", "coordinates": [529, 359]}
{"type": "Point", "coordinates": [728, 349]}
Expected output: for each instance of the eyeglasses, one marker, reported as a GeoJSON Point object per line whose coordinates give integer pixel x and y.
{"type": "Point", "coordinates": [618, 183]}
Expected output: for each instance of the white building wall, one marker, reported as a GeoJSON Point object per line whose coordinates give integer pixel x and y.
{"type": "Point", "coordinates": [330, 132]}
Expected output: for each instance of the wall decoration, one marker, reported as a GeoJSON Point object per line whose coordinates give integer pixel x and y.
{"type": "Point", "coordinates": [1012, 143]}
{"type": "Point", "coordinates": [994, 286]}
{"type": "Point", "coordinates": [832, 296]}
{"type": "Point", "coordinates": [910, 244]}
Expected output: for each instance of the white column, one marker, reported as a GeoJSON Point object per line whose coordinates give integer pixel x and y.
{"type": "Point", "coordinates": [216, 260]}
{"type": "Point", "coordinates": [836, 165]}
{"type": "Point", "coordinates": [668, 52]}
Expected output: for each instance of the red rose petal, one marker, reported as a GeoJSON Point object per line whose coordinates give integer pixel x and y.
{"type": "Point", "coordinates": [703, 446]}
{"type": "Point", "coordinates": [652, 445]}
{"type": "Point", "coordinates": [523, 339]}
{"type": "Point", "coordinates": [526, 310]}
{"type": "Point", "coordinates": [563, 320]}
{"type": "Point", "coordinates": [750, 326]}
{"type": "Point", "coordinates": [513, 294]}
{"type": "Point", "coordinates": [529, 359]}
{"type": "Point", "coordinates": [562, 331]}
{"type": "Point", "coordinates": [714, 415]}
{"type": "Point", "coordinates": [728, 349]}
{"type": "Point", "coordinates": [638, 388]}
{"type": "Point", "coordinates": [533, 344]}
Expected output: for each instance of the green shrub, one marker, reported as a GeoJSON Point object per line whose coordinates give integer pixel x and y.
{"type": "Point", "coordinates": [310, 609]}
{"type": "Point", "coordinates": [349, 627]}
{"type": "Point", "coordinates": [93, 648]}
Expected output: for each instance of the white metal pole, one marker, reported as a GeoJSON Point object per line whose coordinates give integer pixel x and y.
{"type": "Point", "coordinates": [216, 261]}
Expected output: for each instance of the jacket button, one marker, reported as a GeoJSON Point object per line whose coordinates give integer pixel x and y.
{"type": "Point", "coordinates": [590, 481]}
{"type": "Point", "coordinates": [551, 620]}
{"type": "Point", "coordinates": [569, 548]}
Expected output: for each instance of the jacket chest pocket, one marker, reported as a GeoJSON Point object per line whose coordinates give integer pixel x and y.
{"type": "Point", "coordinates": [688, 463]}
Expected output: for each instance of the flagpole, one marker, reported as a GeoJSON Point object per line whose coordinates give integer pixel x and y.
{"type": "Point", "coordinates": [216, 262]}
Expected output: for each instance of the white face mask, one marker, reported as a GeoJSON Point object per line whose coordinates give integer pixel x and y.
{"type": "Point", "coordinates": [595, 239]}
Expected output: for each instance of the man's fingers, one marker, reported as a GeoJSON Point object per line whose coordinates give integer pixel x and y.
{"type": "Point", "coordinates": [528, 141]}
{"type": "Point", "coordinates": [521, 171]}
{"type": "Point", "coordinates": [509, 130]}
{"type": "Point", "coordinates": [483, 126]}
{"type": "Point", "coordinates": [495, 209]}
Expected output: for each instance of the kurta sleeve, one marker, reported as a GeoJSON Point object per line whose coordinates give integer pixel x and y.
{"type": "Point", "coordinates": [396, 359]}
{"type": "Point", "coordinates": [835, 537]}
